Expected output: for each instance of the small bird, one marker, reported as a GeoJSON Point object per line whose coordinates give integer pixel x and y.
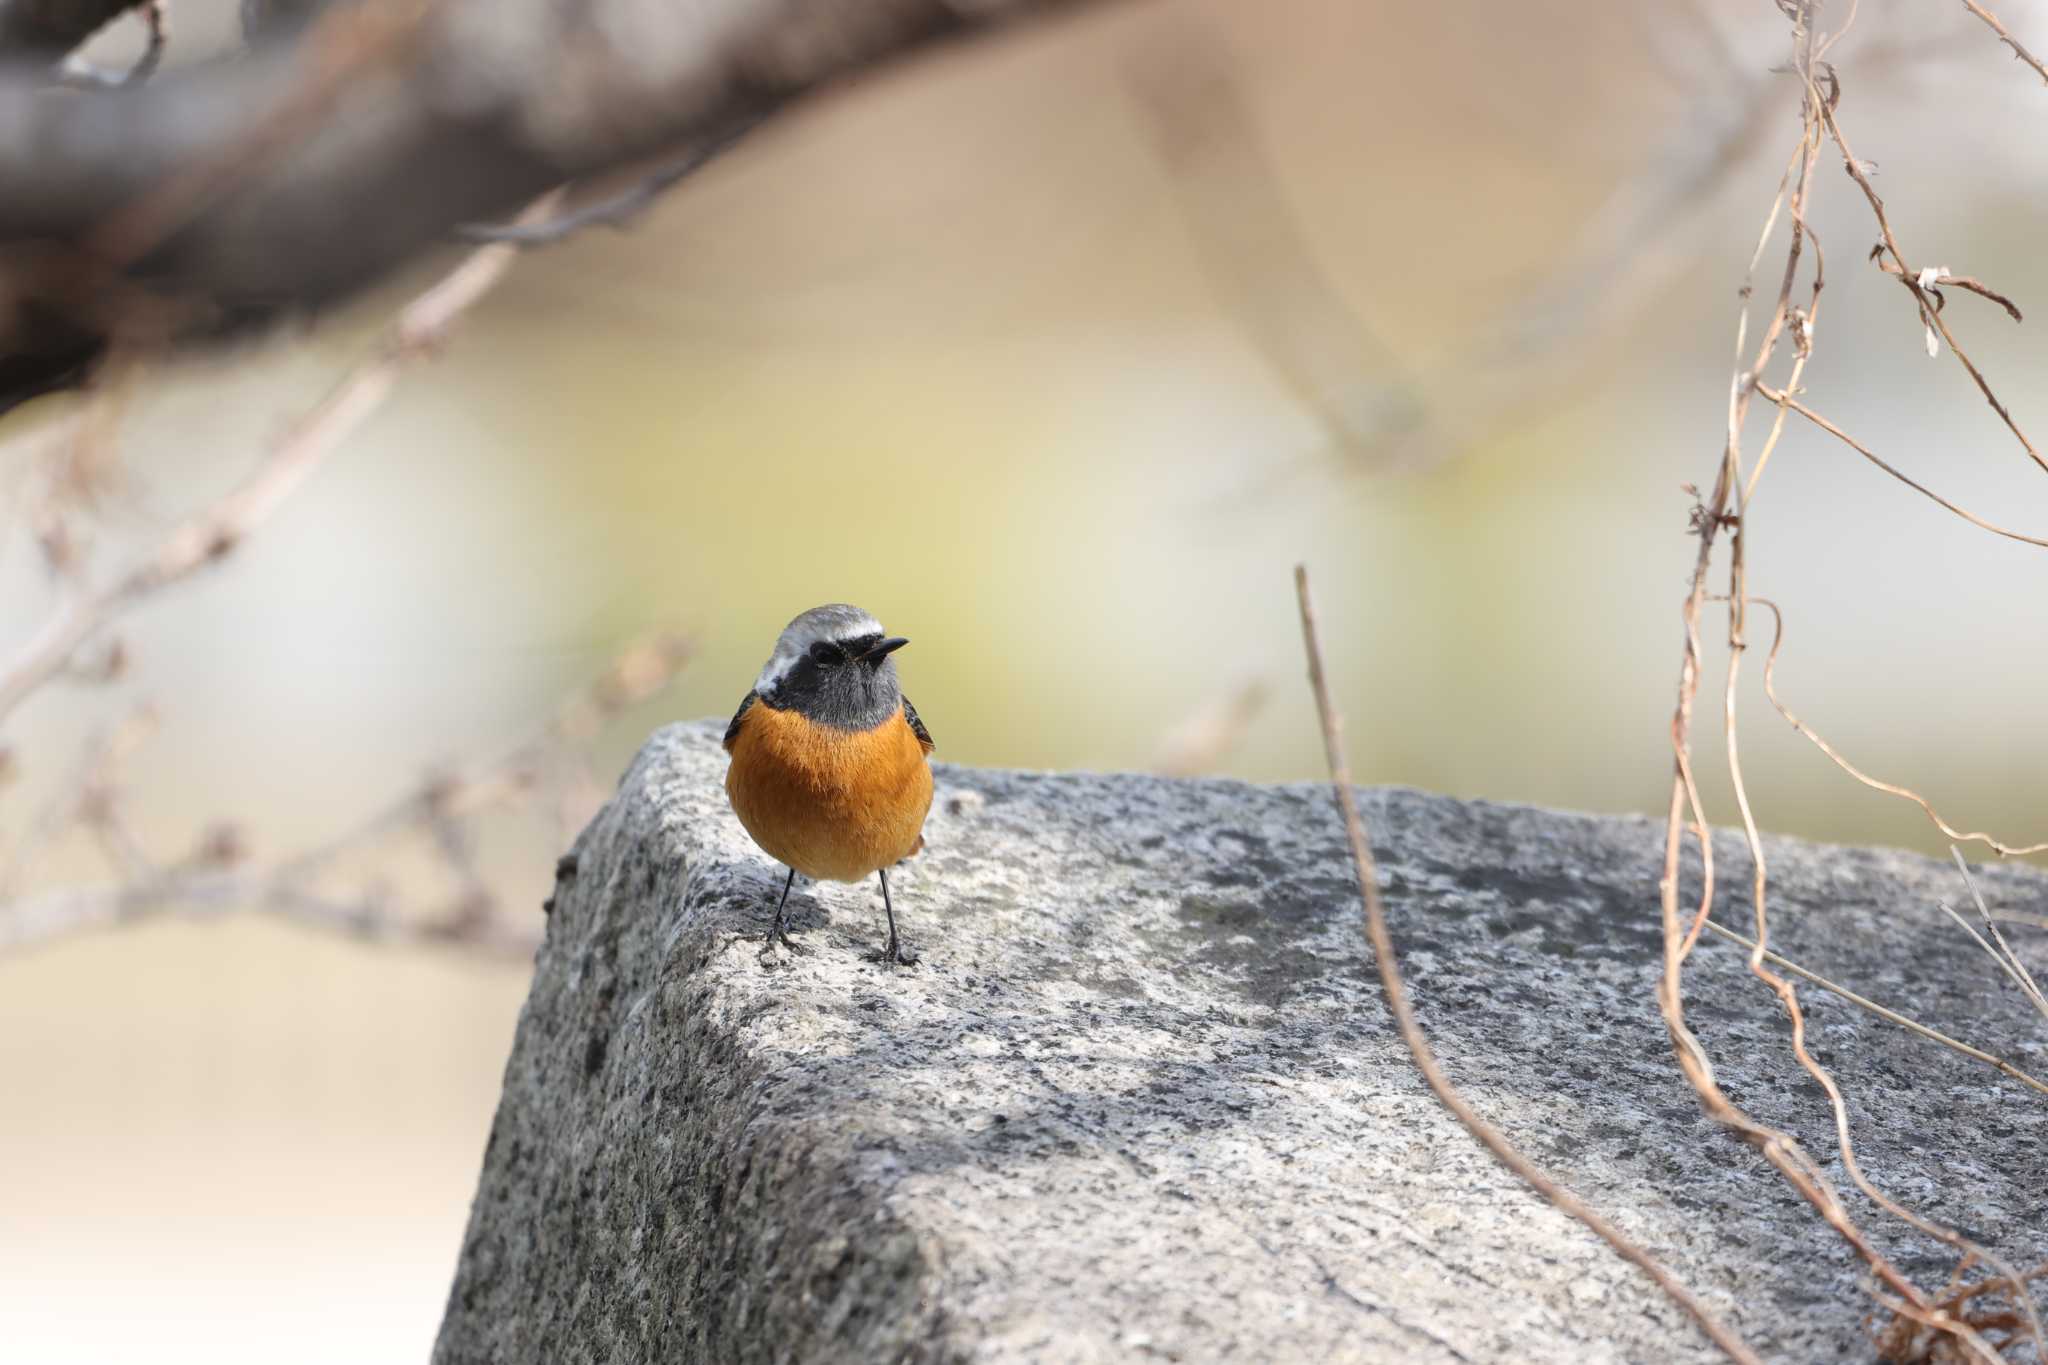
{"type": "Point", "coordinates": [829, 772]}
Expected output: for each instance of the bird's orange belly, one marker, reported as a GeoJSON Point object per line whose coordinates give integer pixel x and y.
{"type": "Point", "coordinates": [832, 804]}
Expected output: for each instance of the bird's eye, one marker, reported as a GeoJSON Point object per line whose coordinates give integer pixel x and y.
{"type": "Point", "coordinates": [824, 652]}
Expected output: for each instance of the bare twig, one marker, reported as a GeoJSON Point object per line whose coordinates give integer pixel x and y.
{"type": "Point", "coordinates": [2018, 52]}
{"type": "Point", "coordinates": [211, 535]}
{"type": "Point", "coordinates": [84, 797]}
{"type": "Point", "coordinates": [1411, 1033]}
{"type": "Point", "coordinates": [206, 894]}
{"type": "Point", "coordinates": [1937, 280]}
{"type": "Point", "coordinates": [1929, 305]}
{"type": "Point", "coordinates": [2004, 850]}
{"type": "Point", "coordinates": [441, 809]}
{"type": "Point", "coordinates": [2007, 959]}
{"type": "Point", "coordinates": [1786, 400]}
{"type": "Point", "coordinates": [614, 211]}
{"type": "Point", "coordinates": [1711, 516]}
{"type": "Point", "coordinates": [1199, 742]}
{"type": "Point", "coordinates": [1890, 1016]}
{"type": "Point", "coordinates": [1909, 1342]}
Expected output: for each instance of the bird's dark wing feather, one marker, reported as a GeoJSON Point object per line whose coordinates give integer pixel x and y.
{"type": "Point", "coordinates": [732, 731]}
{"type": "Point", "coordinates": [924, 736]}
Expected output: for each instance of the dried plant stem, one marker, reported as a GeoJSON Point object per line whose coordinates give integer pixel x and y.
{"type": "Point", "coordinates": [1781, 397]}
{"type": "Point", "coordinates": [1838, 1106]}
{"type": "Point", "coordinates": [1930, 309]}
{"type": "Point", "coordinates": [1411, 1033]}
{"type": "Point", "coordinates": [1788, 998]}
{"type": "Point", "coordinates": [2004, 37]}
{"type": "Point", "coordinates": [2007, 959]}
{"type": "Point", "coordinates": [1998, 846]}
{"type": "Point", "coordinates": [1890, 1016]}
{"type": "Point", "coordinates": [1712, 515]}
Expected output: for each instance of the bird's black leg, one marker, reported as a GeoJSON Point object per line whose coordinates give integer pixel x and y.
{"type": "Point", "coordinates": [895, 953]}
{"type": "Point", "coordinates": [780, 933]}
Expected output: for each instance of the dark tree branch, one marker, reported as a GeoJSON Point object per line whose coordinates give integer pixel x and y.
{"type": "Point", "coordinates": [47, 30]}
{"type": "Point", "coordinates": [77, 71]}
{"type": "Point", "coordinates": [235, 189]}
{"type": "Point", "coordinates": [614, 210]}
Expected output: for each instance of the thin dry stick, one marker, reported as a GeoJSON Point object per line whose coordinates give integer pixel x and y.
{"type": "Point", "coordinates": [2004, 37]}
{"type": "Point", "coordinates": [1788, 997]}
{"type": "Point", "coordinates": [1709, 517]}
{"type": "Point", "coordinates": [1823, 1077]}
{"type": "Point", "coordinates": [1933, 1317]}
{"type": "Point", "coordinates": [1890, 1016]}
{"type": "Point", "coordinates": [1707, 520]}
{"type": "Point", "coordinates": [441, 807]}
{"type": "Point", "coordinates": [2004, 850]}
{"type": "Point", "coordinates": [1994, 954]}
{"type": "Point", "coordinates": [2006, 957]}
{"type": "Point", "coordinates": [1713, 514]}
{"type": "Point", "coordinates": [1802, 321]}
{"type": "Point", "coordinates": [1902, 1342]}
{"type": "Point", "coordinates": [1411, 1034]}
{"type": "Point", "coordinates": [210, 536]}
{"type": "Point", "coordinates": [1778, 396]}
{"type": "Point", "coordinates": [1930, 311]}
{"type": "Point", "coordinates": [1935, 283]}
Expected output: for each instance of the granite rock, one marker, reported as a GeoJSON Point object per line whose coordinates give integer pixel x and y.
{"type": "Point", "coordinates": [1142, 1098]}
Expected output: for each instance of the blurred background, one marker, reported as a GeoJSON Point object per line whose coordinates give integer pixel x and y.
{"type": "Point", "coordinates": [1056, 352]}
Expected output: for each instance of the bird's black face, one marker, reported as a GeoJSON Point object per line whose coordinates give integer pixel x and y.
{"type": "Point", "coordinates": [849, 684]}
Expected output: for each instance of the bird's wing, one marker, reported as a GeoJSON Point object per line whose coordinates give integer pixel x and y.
{"type": "Point", "coordinates": [732, 731]}
{"type": "Point", "coordinates": [924, 736]}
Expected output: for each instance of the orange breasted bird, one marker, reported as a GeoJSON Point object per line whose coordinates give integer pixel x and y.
{"type": "Point", "coordinates": [830, 773]}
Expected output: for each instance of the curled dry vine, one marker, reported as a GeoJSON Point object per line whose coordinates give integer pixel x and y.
{"type": "Point", "coordinates": [1937, 1322]}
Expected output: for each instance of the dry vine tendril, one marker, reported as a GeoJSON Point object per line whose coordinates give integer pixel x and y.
{"type": "Point", "coordinates": [1922, 1326]}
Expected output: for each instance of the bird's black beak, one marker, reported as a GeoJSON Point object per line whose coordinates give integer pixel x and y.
{"type": "Point", "coordinates": [883, 650]}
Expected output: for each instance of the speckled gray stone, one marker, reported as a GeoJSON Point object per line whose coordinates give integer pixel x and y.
{"type": "Point", "coordinates": [1142, 1099]}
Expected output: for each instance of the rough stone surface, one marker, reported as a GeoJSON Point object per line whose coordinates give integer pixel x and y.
{"type": "Point", "coordinates": [1142, 1099]}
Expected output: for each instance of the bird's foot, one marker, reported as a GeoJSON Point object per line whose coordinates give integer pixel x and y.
{"type": "Point", "coordinates": [895, 955]}
{"type": "Point", "coordinates": [778, 940]}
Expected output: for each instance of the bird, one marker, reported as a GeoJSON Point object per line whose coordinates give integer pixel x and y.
{"type": "Point", "coordinates": [831, 772]}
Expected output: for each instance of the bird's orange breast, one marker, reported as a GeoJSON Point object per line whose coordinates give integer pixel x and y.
{"type": "Point", "coordinates": [833, 804]}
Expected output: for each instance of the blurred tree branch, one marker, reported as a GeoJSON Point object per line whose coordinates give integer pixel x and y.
{"type": "Point", "coordinates": [226, 191]}
{"type": "Point", "coordinates": [211, 879]}
{"type": "Point", "coordinates": [47, 30]}
{"type": "Point", "coordinates": [1384, 402]}
{"type": "Point", "coordinates": [214, 533]}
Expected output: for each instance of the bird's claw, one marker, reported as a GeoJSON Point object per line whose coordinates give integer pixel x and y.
{"type": "Point", "coordinates": [779, 938]}
{"type": "Point", "coordinates": [895, 955]}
